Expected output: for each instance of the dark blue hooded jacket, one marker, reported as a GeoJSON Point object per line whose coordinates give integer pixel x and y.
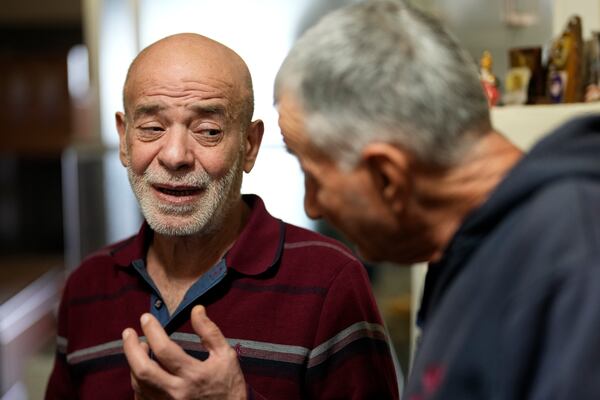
{"type": "Point", "coordinates": [512, 310]}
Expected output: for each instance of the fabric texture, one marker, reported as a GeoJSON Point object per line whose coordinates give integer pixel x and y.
{"type": "Point", "coordinates": [512, 310]}
{"type": "Point", "coordinates": [295, 305]}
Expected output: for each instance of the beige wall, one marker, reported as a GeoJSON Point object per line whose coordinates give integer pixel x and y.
{"type": "Point", "coordinates": [588, 10]}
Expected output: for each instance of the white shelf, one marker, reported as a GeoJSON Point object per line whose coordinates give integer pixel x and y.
{"type": "Point", "coordinates": [525, 125]}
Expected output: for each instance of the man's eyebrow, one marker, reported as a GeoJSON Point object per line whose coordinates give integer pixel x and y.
{"type": "Point", "coordinates": [217, 109]}
{"type": "Point", "coordinates": [147, 109]}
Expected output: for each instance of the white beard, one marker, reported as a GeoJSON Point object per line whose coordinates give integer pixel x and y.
{"type": "Point", "coordinates": [204, 216]}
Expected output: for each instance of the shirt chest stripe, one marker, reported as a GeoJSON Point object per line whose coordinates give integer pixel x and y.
{"type": "Point", "coordinates": [250, 348]}
{"type": "Point", "coordinates": [191, 342]}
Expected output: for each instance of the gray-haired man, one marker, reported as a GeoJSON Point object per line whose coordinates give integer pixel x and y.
{"type": "Point", "coordinates": [388, 119]}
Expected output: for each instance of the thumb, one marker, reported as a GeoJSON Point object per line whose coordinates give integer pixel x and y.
{"type": "Point", "coordinates": [212, 338]}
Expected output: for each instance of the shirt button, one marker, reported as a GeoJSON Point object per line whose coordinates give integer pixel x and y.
{"type": "Point", "coordinates": [158, 304]}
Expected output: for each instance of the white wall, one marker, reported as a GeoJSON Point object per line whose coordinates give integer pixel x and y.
{"type": "Point", "coordinates": [588, 10]}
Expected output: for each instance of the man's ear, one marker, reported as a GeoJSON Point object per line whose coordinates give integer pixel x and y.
{"type": "Point", "coordinates": [389, 166]}
{"type": "Point", "coordinates": [254, 135]}
{"type": "Point", "coordinates": [122, 128]}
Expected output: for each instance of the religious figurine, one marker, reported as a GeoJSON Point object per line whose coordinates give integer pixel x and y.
{"type": "Point", "coordinates": [592, 89]}
{"type": "Point", "coordinates": [530, 58]}
{"type": "Point", "coordinates": [565, 65]}
{"type": "Point", "coordinates": [516, 85]}
{"type": "Point", "coordinates": [592, 93]}
{"type": "Point", "coordinates": [488, 79]}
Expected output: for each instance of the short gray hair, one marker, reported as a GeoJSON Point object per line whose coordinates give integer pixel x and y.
{"type": "Point", "coordinates": [380, 71]}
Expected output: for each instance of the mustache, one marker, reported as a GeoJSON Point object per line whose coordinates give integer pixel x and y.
{"type": "Point", "coordinates": [199, 179]}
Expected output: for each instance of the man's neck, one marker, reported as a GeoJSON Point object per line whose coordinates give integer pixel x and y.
{"type": "Point", "coordinates": [186, 258]}
{"type": "Point", "coordinates": [447, 197]}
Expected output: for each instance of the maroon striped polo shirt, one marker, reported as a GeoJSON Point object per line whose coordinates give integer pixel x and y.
{"type": "Point", "coordinates": [296, 306]}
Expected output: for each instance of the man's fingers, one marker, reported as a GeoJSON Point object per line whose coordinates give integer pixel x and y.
{"type": "Point", "coordinates": [145, 347]}
{"type": "Point", "coordinates": [142, 367]}
{"type": "Point", "coordinates": [212, 338]}
{"type": "Point", "coordinates": [171, 356]}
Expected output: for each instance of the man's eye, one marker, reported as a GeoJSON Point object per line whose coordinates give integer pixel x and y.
{"type": "Point", "coordinates": [208, 137]}
{"type": "Point", "coordinates": [150, 132]}
{"type": "Point", "coordinates": [152, 129]}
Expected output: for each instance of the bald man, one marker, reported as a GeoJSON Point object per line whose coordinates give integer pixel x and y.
{"type": "Point", "coordinates": [291, 312]}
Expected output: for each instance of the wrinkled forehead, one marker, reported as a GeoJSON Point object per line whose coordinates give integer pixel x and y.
{"type": "Point", "coordinates": [181, 70]}
{"type": "Point", "coordinates": [179, 79]}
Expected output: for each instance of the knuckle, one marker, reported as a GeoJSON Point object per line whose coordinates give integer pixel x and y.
{"type": "Point", "coordinates": [230, 353]}
{"type": "Point", "coordinates": [143, 373]}
{"type": "Point", "coordinates": [177, 392]}
{"type": "Point", "coordinates": [211, 327]}
{"type": "Point", "coordinates": [161, 349]}
{"type": "Point", "coordinates": [199, 376]}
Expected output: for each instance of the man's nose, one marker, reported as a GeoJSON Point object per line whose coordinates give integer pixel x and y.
{"type": "Point", "coordinates": [176, 152]}
{"type": "Point", "coordinates": [311, 205]}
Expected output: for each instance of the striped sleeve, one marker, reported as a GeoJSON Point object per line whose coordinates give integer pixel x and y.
{"type": "Point", "coordinates": [60, 385]}
{"type": "Point", "coordinates": [351, 357]}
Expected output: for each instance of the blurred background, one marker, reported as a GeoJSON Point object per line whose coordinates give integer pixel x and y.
{"type": "Point", "coordinates": [63, 192]}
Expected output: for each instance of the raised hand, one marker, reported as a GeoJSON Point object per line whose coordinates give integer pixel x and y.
{"type": "Point", "coordinates": [177, 375]}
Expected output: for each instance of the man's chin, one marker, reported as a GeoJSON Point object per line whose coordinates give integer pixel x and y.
{"type": "Point", "coordinates": [175, 228]}
{"type": "Point", "coordinates": [173, 231]}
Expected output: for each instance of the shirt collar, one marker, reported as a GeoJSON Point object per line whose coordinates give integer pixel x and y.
{"type": "Point", "coordinates": [260, 243]}
{"type": "Point", "coordinates": [134, 248]}
{"type": "Point", "coordinates": [257, 249]}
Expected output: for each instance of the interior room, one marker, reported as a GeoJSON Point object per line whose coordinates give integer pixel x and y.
{"type": "Point", "coordinates": [64, 193]}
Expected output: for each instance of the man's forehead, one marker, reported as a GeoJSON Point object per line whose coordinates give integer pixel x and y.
{"type": "Point", "coordinates": [182, 69]}
{"type": "Point", "coordinates": [181, 82]}
{"type": "Point", "coordinates": [210, 106]}
{"type": "Point", "coordinates": [293, 129]}
{"type": "Point", "coordinates": [291, 122]}
{"type": "Point", "coordinates": [161, 90]}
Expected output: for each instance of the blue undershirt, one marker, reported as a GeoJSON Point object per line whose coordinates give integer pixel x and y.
{"type": "Point", "coordinates": [157, 306]}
